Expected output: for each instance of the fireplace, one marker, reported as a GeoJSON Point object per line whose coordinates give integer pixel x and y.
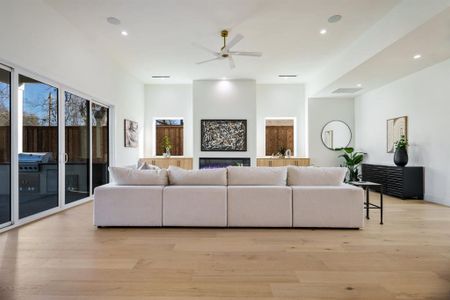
{"type": "Point", "coordinates": [223, 162]}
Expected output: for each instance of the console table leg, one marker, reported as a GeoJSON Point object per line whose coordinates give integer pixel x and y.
{"type": "Point", "coordinates": [367, 203]}
{"type": "Point", "coordinates": [381, 205]}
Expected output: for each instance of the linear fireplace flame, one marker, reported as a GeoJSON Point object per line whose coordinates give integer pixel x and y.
{"type": "Point", "coordinates": [223, 162]}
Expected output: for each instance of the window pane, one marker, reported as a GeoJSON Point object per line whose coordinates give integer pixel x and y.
{"type": "Point", "coordinates": [38, 155]}
{"type": "Point", "coordinates": [100, 142]}
{"type": "Point", "coordinates": [5, 146]}
{"type": "Point", "coordinates": [77, 147]}
{"type": "Point", "coordinates": [169, 132]}
{"type": "Point", "coordinates": [279, 136]}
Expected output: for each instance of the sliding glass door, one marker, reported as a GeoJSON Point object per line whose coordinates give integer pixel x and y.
{"type": "Point", "coordinates": [38, 146]}
{"type": "Point", "coordinates": [100, 145]}
{"type": "Point", "coordinates": [77, 148]}
{"type": "Point", "coordinates": [5, 147]}
{"type": "Point", "coordinates": [50, 158]}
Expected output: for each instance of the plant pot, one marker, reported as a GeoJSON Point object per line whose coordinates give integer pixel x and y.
{"type": "Point", "coordinates": [401, 157]}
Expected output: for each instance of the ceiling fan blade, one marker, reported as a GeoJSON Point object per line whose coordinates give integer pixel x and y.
{"type": "Point", "coordinates": [208, 60]}
{"type": "Point", "coordinates": [234, 41]}
{"type": "Point", "coordinates": [206, 49]}
{"type": "Point", "coordinates": [243, 53]}
{"type": "Point", "coordinates": [231, 61]}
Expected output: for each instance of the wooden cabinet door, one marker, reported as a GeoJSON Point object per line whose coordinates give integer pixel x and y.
{"type": "Point", "coordinates": [262, 162]}
{"type": "Point", "coordinates": [163, 163]}
{"type": "Point", "coordinates": [277, 162]}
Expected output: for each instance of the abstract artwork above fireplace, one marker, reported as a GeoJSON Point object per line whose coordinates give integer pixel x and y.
{"type": "Point", "coordinates": [223, 135]}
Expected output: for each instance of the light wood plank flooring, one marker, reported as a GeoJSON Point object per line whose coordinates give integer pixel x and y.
{"type": "Point", "coordinates": [65, 257]}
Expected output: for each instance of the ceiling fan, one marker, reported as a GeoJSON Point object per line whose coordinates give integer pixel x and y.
{"type": "Point", "coordinates": [225, 52]}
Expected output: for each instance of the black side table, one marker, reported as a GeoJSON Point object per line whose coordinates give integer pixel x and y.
{"type": "Point", "coordinates": [367, 185]}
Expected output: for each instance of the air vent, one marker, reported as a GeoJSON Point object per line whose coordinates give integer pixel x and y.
{"type": "Point", "coordinates": [347, 90]}
{"type": "Point", "coordinates": [287, 76]}
{"type": "Point", "coordinates": [160, 76]}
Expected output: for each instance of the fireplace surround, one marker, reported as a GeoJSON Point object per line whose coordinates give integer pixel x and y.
{"type": "Point", "coordinates": [223, 162]}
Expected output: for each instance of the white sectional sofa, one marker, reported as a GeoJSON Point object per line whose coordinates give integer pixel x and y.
{"type": "Point", "coordinates": [232, 197]}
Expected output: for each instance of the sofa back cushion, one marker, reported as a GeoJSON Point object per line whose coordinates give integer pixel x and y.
{"type": "Point", "coordinates": [128, 176]}
{"type": "Point", "coordinates": [179, 176]}
{"type": "Point", "coordinates": [314, 176]}
{"type": "Point", "coordinates": [257, 176]}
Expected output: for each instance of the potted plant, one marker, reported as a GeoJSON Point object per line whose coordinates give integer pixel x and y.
{"type": "Point", "coordinates": [352, 161]}
{"type": "Point", "coordinates": [166, 145]}
{"type": "Point", "coordinates": [401, 152]}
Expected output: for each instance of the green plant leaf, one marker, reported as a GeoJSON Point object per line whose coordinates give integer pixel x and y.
{"type": "Point", "coordinates": [349, 149]}
{"type": "Point", "coordinates": [358, 159]}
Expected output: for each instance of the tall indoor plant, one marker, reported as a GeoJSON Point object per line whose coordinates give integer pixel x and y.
{"type": "Point", "coordinates": [401, 151]}
{"type": "Point", "coordinates": [353, 160]}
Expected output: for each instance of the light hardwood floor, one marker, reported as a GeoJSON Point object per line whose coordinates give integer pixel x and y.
{"type": "Point", "coordinates": [65, 257]}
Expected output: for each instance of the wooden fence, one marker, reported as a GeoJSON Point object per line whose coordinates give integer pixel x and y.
{"type": "Point", "coordinates": [175, 134]}
{"type": "Point", "coordinates": [45, 139]}
{"type": "Point", "coordinates": [277, 137]}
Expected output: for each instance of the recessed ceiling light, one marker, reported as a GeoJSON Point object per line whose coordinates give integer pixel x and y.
{"type": "Point", "coordinates": [417, 56]}
{"type": "Point", "coordinates": [287, 76]}
{"type": "Point", "coordinates": [359, 85]}
{"type": "Point", "coordinates": [160, 76]}
{"type": "Point", "coordinates": [113, 21]}
{"type": "Point", "coordinates": [124, 33]}
{"type": "Point", "coordinates": [323, 31]}
{"type": "Point", "coordinates": [334, 19]}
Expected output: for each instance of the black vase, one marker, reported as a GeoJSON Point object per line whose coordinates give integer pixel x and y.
{"type": "Point", "coordinates": [401, 157]}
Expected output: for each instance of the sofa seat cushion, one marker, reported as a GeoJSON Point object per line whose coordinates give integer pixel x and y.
{"type": "Point", "coordinates": [195, 206]}
{"type": "Point", "coordinates": [259, 206]}
{"type": "Point", "coordinates": [179, 176]}
{"type": "Point", "coordinates": [316, 176]}
{"type": "Point", "coordinates": [120, 205]}
{"type": "Point", "coordinates": [328, 206]}
{"type": "Point", "coordinates": [265, 176]}
{"type": "Point", "coordinates": [128, 176]}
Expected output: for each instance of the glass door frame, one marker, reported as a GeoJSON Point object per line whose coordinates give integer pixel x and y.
{"type": "Point", "coordinates": [62, 145]}
{"type": "Point", "coordinates": [15, 109]}
{"type": "Point", "coordinates": [110, 137]}
{"type": "Point", "coordinates": [11, 187]}
{"type": "Point", "coordinates": [15, 155]}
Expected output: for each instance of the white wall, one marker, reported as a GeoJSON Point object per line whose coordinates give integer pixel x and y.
{"type": "Point", "coordinates": [37, 38]}
{"type": "Point", "coordinates": [322, 111]}
{"type": "Point", "coordinates": [225, 99]}
{"type": "Point", "coordinates": [425, 98]}
{"type": "Point", "coordinates": [168, 101]}
{"type": "Point", "coordinates": [281, 100]}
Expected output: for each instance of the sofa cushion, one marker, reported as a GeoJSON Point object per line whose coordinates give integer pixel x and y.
{"type": "Point", "coordinates": [328, 206]}
{"type": "Point", "coordinates": [259, 206]}
{"type": "Point", "coordinates": [179, 176]}
{"type": "Point", "coordinates": [195, 206]}
{"type": "Point", "coordinates": [132, 205]}
{"type": "Point", "coordinates": [147, 166]}
{"type": "Point", "coordinates": [127, 176]}
{"type": "Point", "coordinates": [316, 176]}
{"type": "Point", "coordinates": [257, 176]}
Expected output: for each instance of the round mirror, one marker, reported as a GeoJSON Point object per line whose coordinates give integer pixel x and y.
{"type": "Point", "coordinates": [336, 134]}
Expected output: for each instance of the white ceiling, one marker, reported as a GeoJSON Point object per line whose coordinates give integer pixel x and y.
{"type": "Point", "coordinates": [431, 40]}
{"type": "Point", "coordinates": [161, 33]}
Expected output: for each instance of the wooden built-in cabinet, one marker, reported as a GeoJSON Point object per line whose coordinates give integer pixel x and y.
{"type": "Point", "coordinates": [165, 162]}
{"type": "Point", "coordinates": [281, 162]}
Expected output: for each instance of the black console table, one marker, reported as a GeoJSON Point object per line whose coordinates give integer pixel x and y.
{"type": "Point", "coordinates": [403, 182]}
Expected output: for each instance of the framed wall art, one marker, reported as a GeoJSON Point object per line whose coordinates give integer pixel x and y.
{"type": "Point", "coordinates": [223, 135]}
{"type": "Point", "coordinates": [131, 134]}
{"type": "Point", "coordinates": [395, 128]}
